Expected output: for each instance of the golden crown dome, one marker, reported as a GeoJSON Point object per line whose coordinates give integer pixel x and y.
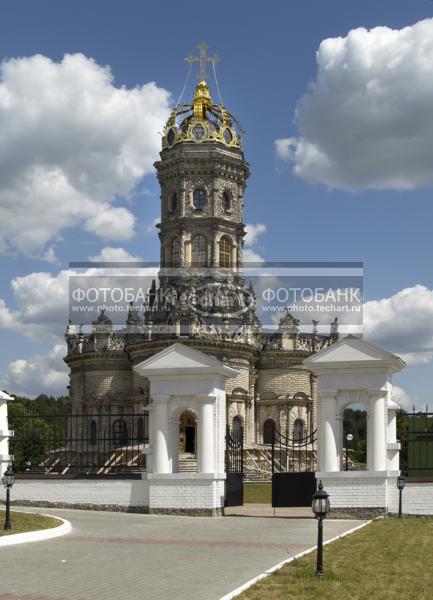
{"type": "Point", "coordinates": [203, 120]}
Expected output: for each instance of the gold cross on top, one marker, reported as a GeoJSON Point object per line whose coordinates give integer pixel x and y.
{"type": "Point", "coordinates": [203, 59]}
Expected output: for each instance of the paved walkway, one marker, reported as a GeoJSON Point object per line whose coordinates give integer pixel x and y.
{"type": "Point", "coordinates": [114, 556]}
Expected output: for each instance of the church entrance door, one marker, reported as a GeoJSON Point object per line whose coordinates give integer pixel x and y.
{"type": "Point", "coordinates": [187, 433]}
{"type": "Point", "coordinates": [190, 439]}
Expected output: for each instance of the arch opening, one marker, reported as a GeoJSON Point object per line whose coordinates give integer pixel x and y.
{"type": "Point", "coordinates": [268, 431]}
{"type": "Point", "coordinates": [187, 433]}
{"type": "Point", "coordinates": [120, 433]}
{"type": "Point", "coordinates": [354, 438]}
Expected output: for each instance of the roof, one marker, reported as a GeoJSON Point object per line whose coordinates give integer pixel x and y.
{"type": "Point", "coordinates": [353, 352]}
{"type": "Point", "coordinates": [179, 359]}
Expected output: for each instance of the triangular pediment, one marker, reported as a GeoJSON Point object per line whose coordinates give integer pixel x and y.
{"type": "Point", "coordinates": [354, 351]}
{"type": "Point", "coordinates": [181, 358]}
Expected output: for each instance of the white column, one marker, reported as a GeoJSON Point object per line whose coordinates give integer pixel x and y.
{"type": "Point", "coordinates": [393, 447]}
{"type": "Point", "coordinates": [370, 437]}
{"type": "Point", "coordinates": [378, 432]}
{"type": "Point", "coordinates": [161, 462]}
{"type": "Point", "coordinates": [327, 425]}
{"type": "Point", "coordinates": [206, 446]}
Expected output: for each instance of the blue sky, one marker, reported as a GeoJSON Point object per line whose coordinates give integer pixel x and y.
{"type": "Point", "coordinates": [268, 53]}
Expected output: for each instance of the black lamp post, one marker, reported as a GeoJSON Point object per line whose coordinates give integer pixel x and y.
{"type": "Point", "coordinates": [320, 506]}
{"type": "Point", "coordinates": [401, 482]}
{"type": "Point", "coordinates": [349, 438]}
{"type": "Point", "coordinates": [8, 480]}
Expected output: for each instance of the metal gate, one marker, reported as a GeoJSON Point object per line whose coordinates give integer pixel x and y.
{"type": "Point", "coordinates": [234, 467]}
{"type": "Point", "coordinates": [415, 432]}
{"type": "Point", "coordinates": [293, 469]}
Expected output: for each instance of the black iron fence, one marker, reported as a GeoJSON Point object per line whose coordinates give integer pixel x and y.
{"type": "Point", "coordinates": [234, 459]}
{"type": "Point", "coordinates": [415, 433]}
{"type": "Point", "coordinates": [291, 455]}
{"type": "Point", "coordinates": [71, 444]}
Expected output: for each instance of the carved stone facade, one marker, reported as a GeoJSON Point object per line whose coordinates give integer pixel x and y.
{"type": "Point", "coordinates": [201, 298]}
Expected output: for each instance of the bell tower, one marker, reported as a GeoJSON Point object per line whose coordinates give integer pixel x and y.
{"type": "Point", "coordinates": [202, 173]}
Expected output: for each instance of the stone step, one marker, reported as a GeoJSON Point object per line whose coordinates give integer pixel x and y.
{"type": "Point", "coordinates": [187, 463]}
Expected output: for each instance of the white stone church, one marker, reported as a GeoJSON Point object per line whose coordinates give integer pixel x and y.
{"type": "Point", "coordinates": [201, 297]}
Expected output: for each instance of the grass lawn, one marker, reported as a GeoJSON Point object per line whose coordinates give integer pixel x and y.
{"type": "Point", "coordinates": [257, 493]}
{"type": "Point", "coordinates": [22, 522]}
{"type": "Point", "coordinates": [387, 560]}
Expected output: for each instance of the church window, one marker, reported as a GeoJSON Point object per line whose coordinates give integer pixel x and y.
{"type": "Point", "coordinates": [184, 328]}
{"type": "Point", "coordinates": [268, 431]}
{"type": "Point", "coordinates": [199, 199]}
{"type": "Point", "coordinates": [93, 433]}
{"type": "Point", "coordinates": [173, 203]}
{"type": "Point", "coordinates": [120, 433]}
{"type": "Point", "coordinates": [298, 430]}
{"type": "Point", "coordinates": [237, 425]}
{"type": "Point", "coordinates": [175, 252]}
{"type": "Point", "coordinates": [227, 204]}
{"type": "Point", "coordinates": [198, 251]}
{"type": "Point", "coordinates": [225, 253]}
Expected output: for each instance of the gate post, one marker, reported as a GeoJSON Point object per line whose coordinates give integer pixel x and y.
{"type": "Point", "coordinates": [5, 434]}
{"type": "Point", "coordinates": [184, 379]}
{"type": "Point", "coordinates": [355, 371]}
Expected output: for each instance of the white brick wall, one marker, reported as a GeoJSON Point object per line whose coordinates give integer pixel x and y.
{"type": "Point", "coordinates": [417, 499]}
{"type": "Point", "coordinates": [122, 493]}
{"type": "Point", "coordinates": [355, 492]}
{"type": "Point", "coordinates": [369, 489]}
{"type": "Point", "coordinates": [186, 491]}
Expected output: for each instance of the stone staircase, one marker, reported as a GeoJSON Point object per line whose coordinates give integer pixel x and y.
{"type": "Point", "coordinates": [187, 463]}
{"type": "Point", "coordinates": [258, 462]}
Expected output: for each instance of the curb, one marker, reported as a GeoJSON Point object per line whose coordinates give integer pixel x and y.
{"type": "Point", "coordinates": [278, 566]}
{"type": "Point", "coordinates": [37, 536]}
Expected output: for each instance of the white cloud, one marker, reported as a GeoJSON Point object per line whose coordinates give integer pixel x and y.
{"type": "Point", "coordinates": [71, 145]}
{"type": "Point", "coordinates": [401, 397]}
{"type": "Point", "coordinates": [403, 324]}
{"type": "Point", "coordinates": [41, 374]}
{"type": "Point", "coordinates": [253, 232]}
{"type": "Point", "coordinates": [284, 148]}
{"type": "Point", "coordinates": [110, 254]}
{"type": "Point", "coordinates": [252, 257]}
{"type": "Point", "coordinates": [366, 121]}
{"type": "Point", "coordinates": [42, 298]}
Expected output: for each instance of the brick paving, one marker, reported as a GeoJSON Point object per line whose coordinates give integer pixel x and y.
{"type": "Point", "coordinates": [114, 556]}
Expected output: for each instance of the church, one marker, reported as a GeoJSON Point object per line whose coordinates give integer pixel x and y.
{"type": "Point", "coordinates": [201, 297]}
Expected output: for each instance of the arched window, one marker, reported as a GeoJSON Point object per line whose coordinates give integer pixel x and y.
{"type": "Point", "coordinates": [173, 203]}
{"type": "Point", "coordinates": [120, 433]}
{"type": "Point", "coordinates": [184, 327]}
{"type": "Point", "coordinates": [298, 430]}
{"type": "Point", "coordinates": [237, 425]}
{"type": "Point", "coordinates": [175, 253]}
{"type": "Point", "coordinates": [93, 433]}
{"type": "Point", "coordinates": [225, 253]}
{"type": "Point", "coordinates": [268, 431]}
{"type": "Point", "coordinates": [140, 430]}
{"type": "Point", "coordinates": [199, 199]}
{"type": "Point", "coordinates": [198, 251]}
{"type": "Point", "coordinates": [226, 201]}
